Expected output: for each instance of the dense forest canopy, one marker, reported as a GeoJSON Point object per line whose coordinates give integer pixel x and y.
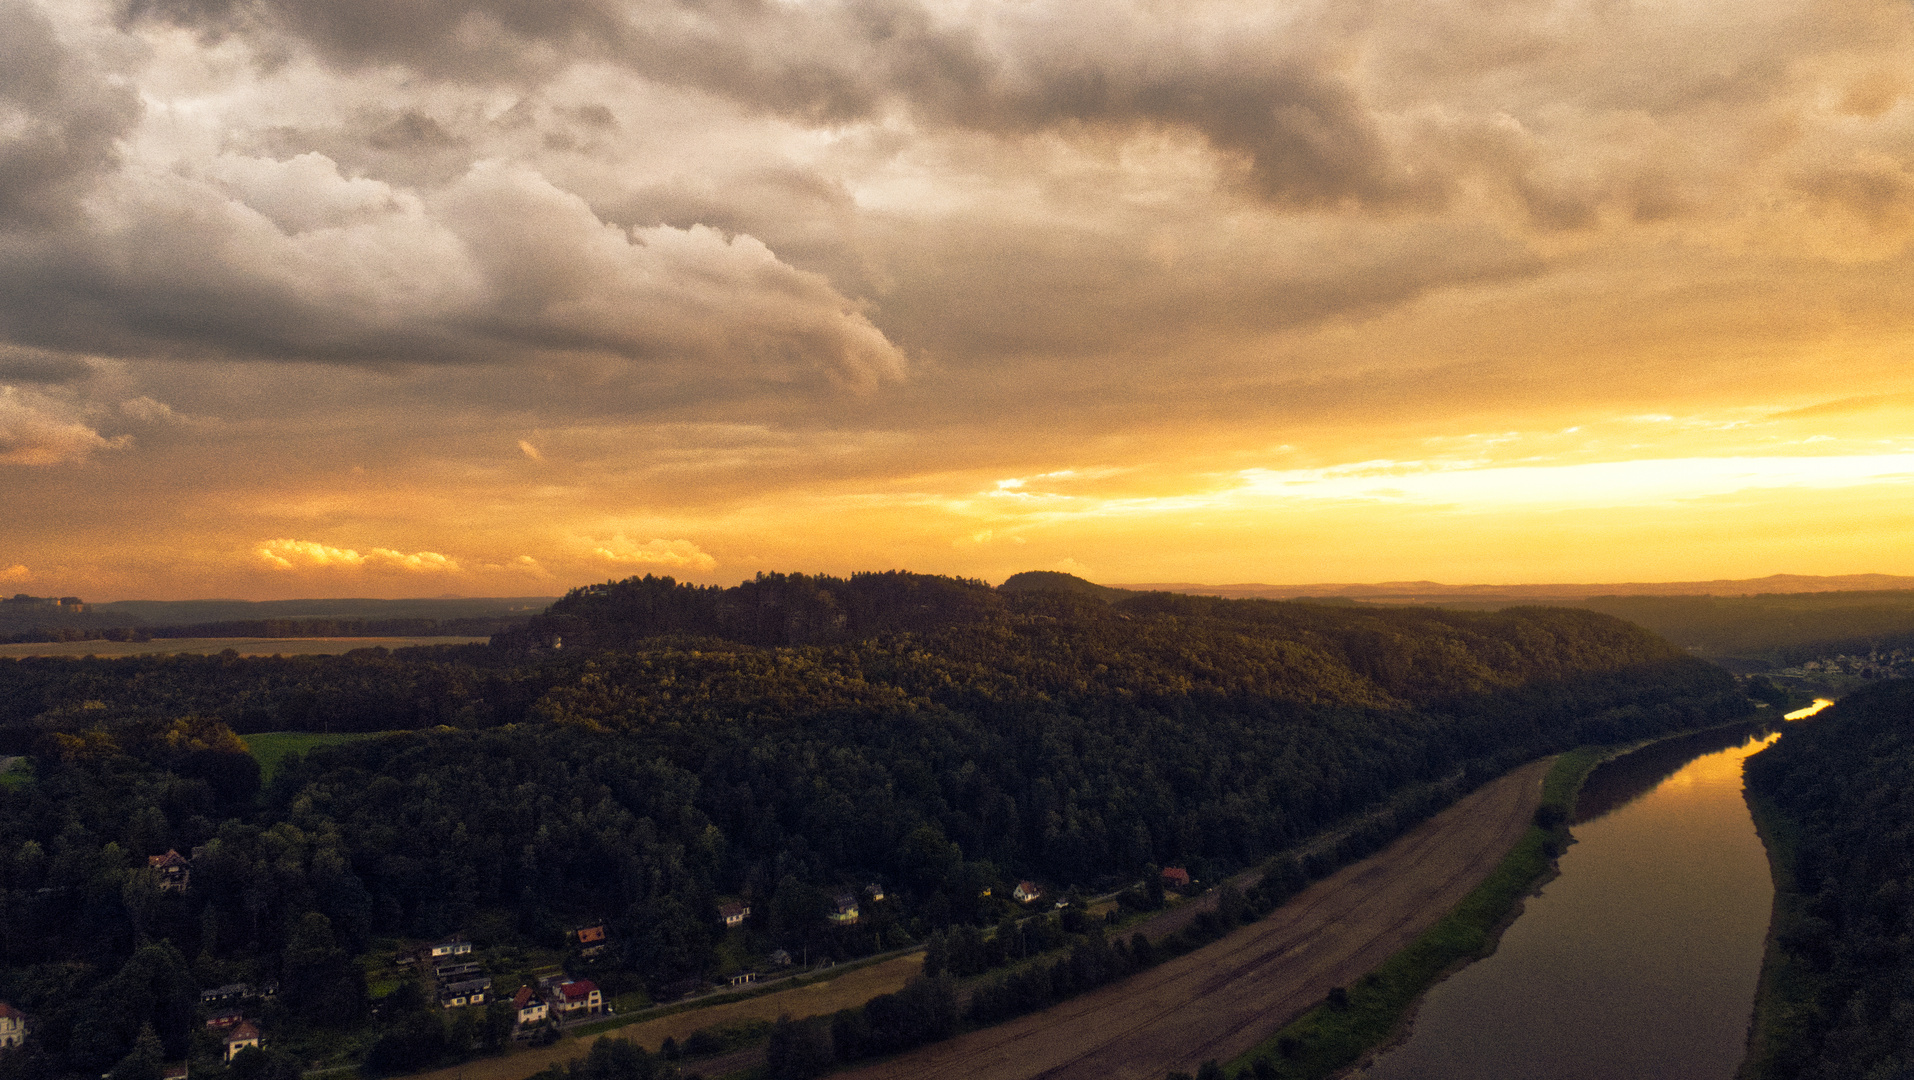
{"type": "Point", "coordinates": [1844, 786]}
{"type": "Point", "coordinates": [645, 749]}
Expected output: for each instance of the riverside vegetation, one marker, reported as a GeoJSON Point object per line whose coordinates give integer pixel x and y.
{"type": "Point", "coordinates": [645, 750]}
{"type": "Point", "coordinates": [1835, 801]}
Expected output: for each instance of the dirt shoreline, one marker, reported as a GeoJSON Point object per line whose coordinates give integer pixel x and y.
{"type": "Point", "coordinates": [1224, 998]}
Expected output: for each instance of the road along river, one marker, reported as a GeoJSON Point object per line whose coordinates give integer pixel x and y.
{"type": "Point", "coordinates": [1641, 959]}
{"type": "Point", "coordinates": [1224, 998]}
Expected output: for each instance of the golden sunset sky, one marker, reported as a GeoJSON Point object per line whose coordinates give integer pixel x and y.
{"type": "Point", "coordinates": [497, 297]}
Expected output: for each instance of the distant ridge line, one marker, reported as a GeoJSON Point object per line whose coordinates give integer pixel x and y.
{"type": "Point", "coordinates": [1434, 590]}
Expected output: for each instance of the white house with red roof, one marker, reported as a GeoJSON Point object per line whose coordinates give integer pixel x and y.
{"type": "Point", "coordinates": [529, 1007]}
{"type": "Point", "coordinates": [576, 997]}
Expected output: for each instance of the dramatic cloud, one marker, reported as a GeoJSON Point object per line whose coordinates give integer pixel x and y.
{"type": "Point", "coordinates": [1374, 288]}
{"type": "Point", "coordinates": [35, 430]}
{"type": "Point", "coordinates": [59, 121]}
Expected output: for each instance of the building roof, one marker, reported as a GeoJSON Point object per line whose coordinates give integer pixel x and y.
{"type": "Point", "coordinates": [245, 1032]}
{"type": "Point", "coordinates": [589, 934]}
{"type": "Point", "coordinates": [1176, 874]}
{"type": "Point", "coordinates": [733, 909]}
{"type": "Point", "coordinates": [525, 996]}
{"type": "Point", "coordinates": [460, 989]}
{"type": "Point", "coordinates": [10, 1013]}
{"type": "Point", "coordinates": [578, 990]}
{"type": "Point", "coordinates": [162, 862]}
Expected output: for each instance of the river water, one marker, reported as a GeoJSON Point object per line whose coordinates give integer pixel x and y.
{"type": "Point", "coordinates": [1640, 960]}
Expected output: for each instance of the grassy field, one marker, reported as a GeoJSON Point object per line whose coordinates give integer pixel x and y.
{"type": "Point", "coordinates": [210, 646]}
{"type": "Point", "coordinates": [270, 748]}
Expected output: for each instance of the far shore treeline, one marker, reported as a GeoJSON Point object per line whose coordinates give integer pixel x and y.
{"type": "Point", "coordinates": [645, 750]}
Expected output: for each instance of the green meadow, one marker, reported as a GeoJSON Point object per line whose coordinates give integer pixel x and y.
{"type": "Point", "coordinates": [270, 748]}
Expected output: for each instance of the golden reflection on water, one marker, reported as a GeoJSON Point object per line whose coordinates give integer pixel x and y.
{"type": "Point", "coordinates": [1802, 714]}
{"type": "Point", "coordinates": [1723, 767]}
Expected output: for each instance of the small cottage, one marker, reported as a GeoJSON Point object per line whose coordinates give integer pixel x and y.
{"type": "Point", "coordinates": [529, 1007]}
{"type": "Point", "coordinates": [175, 872]}
{"type": "Point", "coordinates": [1026, 891]}
{"type": "Point", "coordinates": [454, 995]}
{"type": "Point", "coordinates": [1175, 877]}
{"type": "Point", "coordinates": [844, 912]}
{"type": "Point", "coordinates": [13, 1026]}
{"type": "Point", "coordinates": [452, 946]}
{"type": "Point", "coordinates": [240, 1038]}
{"type": "Point", "coordinates": [577, 997]}
{"type": "Point", "coordinates": [592, 940]}
{"type": "Point", "coordinates": [734, 913]}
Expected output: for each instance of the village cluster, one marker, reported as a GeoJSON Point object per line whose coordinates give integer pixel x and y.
{"type": "Point", "coordinates": [459, 981]}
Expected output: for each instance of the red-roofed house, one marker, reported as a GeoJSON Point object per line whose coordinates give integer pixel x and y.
{"type": "Point", "coordinates": [240, 1038]}
{"type": "Point", "coordinates": [13, 1026]}
{"type": "Point", "coordinates": [1026, 892]}
{"type": "Point", "coordinates": [577, 996]}
{"type": "Point", "coordinates": [529, 1007]}
{"type": "Point", "coordinates": [1176, 877]}
{"type": "Point", "coordinates": [734, 913]}
{"type": "Point", "coordinates": [591, 939]}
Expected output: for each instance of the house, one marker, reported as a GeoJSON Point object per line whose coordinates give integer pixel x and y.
{"type": "Point", "coordinates": [529, 1007]}
{"type": "Point", "coordinates": [464, 992]}
{"type": "Point", "coordinates": [455, 972]}
{"type": "Point", "coordinates": [1026, 891]}
{"type": "Point", "coordinates": [13, 1026]}
{"type": "Point", "coordinates": [734, 913]}
{"type": "Point", "coordinates": [225, 1020]}
{"type": "Point", "coordinates": [1175, 877]}
{"type": "Point", "coordinates": [240, 1038]}
{"type": "Point", "coordinates": [780, 958]}
{"type": "Point", "coordinates": [845, 911]}
{"type": "Point", "coordinates": [452, 946]}
{"type": "Point", "coordinates": [577, 996]}
{"type": "Point", "coordinates": [873, 892]}
{"type": "Point", "coordinates": [230, 994]}
{"type": "Point", "coordinates": [175, 870]}
{"type": "Point", "coordinates": [591, 940]}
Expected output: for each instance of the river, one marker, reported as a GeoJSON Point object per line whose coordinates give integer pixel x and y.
{"type": "Point", "coordinates": [1641, 959]}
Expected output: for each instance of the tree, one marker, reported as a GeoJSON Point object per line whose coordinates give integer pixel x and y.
{"type": "Point", "coordinates": [799, 1049]}
{"type": "Point", "coordinates": [143, 1063]}
{"type": "Point", "coordinates": [322, 985]}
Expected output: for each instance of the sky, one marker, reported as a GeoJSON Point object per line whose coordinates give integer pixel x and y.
{"type": "Point", "coordinates": [499, 297]}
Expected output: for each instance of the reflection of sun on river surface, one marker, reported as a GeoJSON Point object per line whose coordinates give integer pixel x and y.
{"type": "Point", "coordinates": [1639, 961]}
{"type": "Point", "coordinates": [1802, 714]}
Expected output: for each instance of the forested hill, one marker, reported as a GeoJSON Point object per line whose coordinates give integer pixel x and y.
{"type": "Point", "coordinates": [894, 637]}
{"type": "Point", "coordinates": [646, 749]}
{"type": "Point", "coordinates": [1842, 971]}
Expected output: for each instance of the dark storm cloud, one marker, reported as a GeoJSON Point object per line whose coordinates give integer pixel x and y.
{"type": "Point", "coordinates": [64, 121]}
{"type": "Point", "coordinates": [19, 365]}
{"type": "Point", "coordinates": [1299, 127]}
{"type": "Point", "coordinates": [255, 258]}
